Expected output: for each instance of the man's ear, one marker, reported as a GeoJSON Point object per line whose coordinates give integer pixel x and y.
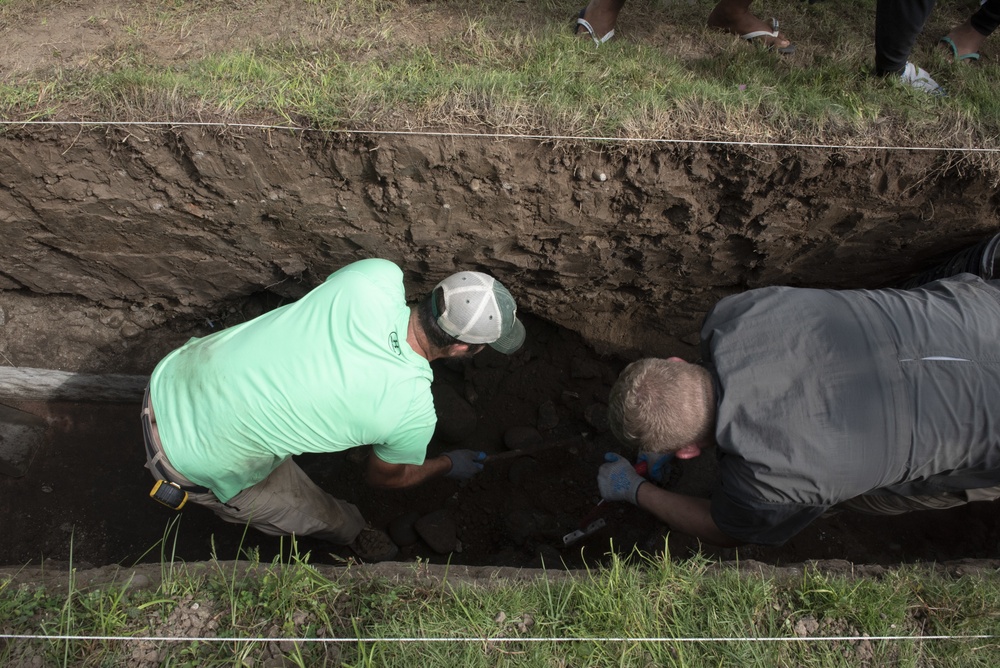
{"type": "Point", "coordinates": [464, 349]}
{"type": "Point", "coordinates": [688, 452]}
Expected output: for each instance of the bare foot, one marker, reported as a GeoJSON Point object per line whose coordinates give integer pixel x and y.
{"type": "Point", "coordinates": [740, 21]}
{"type": "Point", "coordinates": [602, 15]}
{"type": "Point", "coordinates": [966, 39]}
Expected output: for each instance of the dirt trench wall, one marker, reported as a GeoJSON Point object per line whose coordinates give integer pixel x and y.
{"type": "Point", "coordinates": [626, 247]}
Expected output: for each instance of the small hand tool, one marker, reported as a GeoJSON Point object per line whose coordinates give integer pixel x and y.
{"type": "Point", "coordinates": [596, 525]}
{"type": "Point", "coordinates": [511, 454]}
{"type": "Point", "coordinates": [592, 528]}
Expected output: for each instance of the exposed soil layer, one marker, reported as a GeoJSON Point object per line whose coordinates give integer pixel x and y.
{"type": "Point", "coordinates": [120, 243]}
{"type": "Point", "coordinates": [85, 495]}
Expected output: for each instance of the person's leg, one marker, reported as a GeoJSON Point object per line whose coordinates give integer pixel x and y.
{"type": "Point", "coordinates": [981, 259]}
{"type": "Point", "coordinates": [287, 502]}
{"type": "Point", "coordinates": [892, 504]}
{"type": "Point", "coordinates": [601, 16]}
{"type": "Point", "coordinates": [897, 24]}
{"type": "Point", "coordinates": [734, 16]}
{"type": "Point", "coordinates": [987, 19]}
{"type": "Point", "coordinates": [964, 41]}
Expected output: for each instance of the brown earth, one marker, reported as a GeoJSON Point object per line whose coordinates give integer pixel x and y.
{"type": "Point", "coordinates": [84, 497]}
{"type": "Point", "coordinates": [120, 242]}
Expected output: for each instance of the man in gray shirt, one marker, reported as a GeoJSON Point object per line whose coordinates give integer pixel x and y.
{"type": "Point", "coordinates": [882, 401]}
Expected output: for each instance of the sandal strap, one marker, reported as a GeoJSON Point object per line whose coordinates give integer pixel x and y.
{"type": "Point", "coordinates": [763, 33]}
{"type": "Point", "coordinates": [593, 33]}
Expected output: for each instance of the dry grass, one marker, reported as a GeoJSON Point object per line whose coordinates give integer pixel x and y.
{"type": "Point", "coordinates": [485, 67]}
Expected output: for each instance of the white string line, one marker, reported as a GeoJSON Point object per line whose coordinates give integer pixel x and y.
{"type": "Point", "coordinates": [487, 639]}
{"type": "Point", "coordinates": [422, 133]}
{"type": "Point", "coordinates": [258, 126]}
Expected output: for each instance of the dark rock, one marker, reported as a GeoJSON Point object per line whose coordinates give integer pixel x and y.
{"type": "Point", "coordinates": [692, 339]}
{"type": "Point", "coordinates": [548, 557]}
{"type": "Point", "coordinates": [402, 531]}
{"type": "Point", "coordinates": [522, 438]}
{"type": "Point", "coordinates": [437, 529]}
{"type": "Point", "coordinates": [569, 398]}
{"type": "Point", "coordinates": [456, 418]}
{"type": "Point", "coordinates": [596, 416]}
{"type": "Point", "coordinates": [548, 418]}
{"type": "Point", "coordinates": [525, 525]}
{"type": "Point", "coordinates": [21, 435]}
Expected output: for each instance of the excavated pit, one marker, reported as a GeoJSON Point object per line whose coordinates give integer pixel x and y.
{"type": "Point", "coordinates": [120, 244]}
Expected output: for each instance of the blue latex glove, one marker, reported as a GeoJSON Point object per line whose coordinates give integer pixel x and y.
{"type": "Point", "coordinates": [658, 464]}
{"type": "Point", "coordinates": [618, 480]}
{"type": "Point", "coordinates": [465, 463]}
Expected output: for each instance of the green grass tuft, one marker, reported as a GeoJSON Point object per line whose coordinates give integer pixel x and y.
{"type": "Point", "coordinates": [507, 68]}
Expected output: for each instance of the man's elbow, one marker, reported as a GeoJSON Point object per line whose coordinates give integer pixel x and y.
{"type": "Point", "coordinates": [381, 481]}
{"type": "Point", "coordinates": [387, 476]}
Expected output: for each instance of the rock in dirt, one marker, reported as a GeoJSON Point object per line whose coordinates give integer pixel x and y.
{"type": "Point", "coordinates": [806, 627]}
{"type": "Point", "coordinates": [548, 417]}
{"type": "Point", "coordinates": [526, 524]}
{"type": "Point", "coordinates": [596, 416]}
{"type": "Point", "coordinates": [402, 530]}
{"type": "Point", "coordinates": [522, 438]}
{"type": "Point", "coordinates": [456, 417]}
{"type": "Point", "coordinates": [21, 434]}
{"type": "Point", "coordinates": [547, 557]}
{"type": "Point", "coordinates": [438, 530]}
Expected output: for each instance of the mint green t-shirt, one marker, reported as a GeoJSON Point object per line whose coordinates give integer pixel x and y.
{"type": "Point", "coordinates": [329, 372]}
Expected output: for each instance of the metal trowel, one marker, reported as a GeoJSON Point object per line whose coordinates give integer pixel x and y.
{"type": "Point", "coordinates": [592, 528]}
{"type": "Point", "coordinates": [21, 434]}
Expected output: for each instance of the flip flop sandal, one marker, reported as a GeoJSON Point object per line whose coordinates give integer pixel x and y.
{"type": "Point", "coordinates": [580, 21]}
{"type": "Point", "coordinates": [954, 50]}
{"type": "Point", "coordinates": [757, 34]}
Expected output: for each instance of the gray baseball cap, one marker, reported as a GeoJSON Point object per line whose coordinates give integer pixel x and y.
{"type": "Point", "coordinates": [476, 308]}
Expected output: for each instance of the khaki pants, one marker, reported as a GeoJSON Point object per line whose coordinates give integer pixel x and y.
{"type": "Point", "coordinates": [284, 503]}
{"type": "Point", "coordinates": [287, 502]}
{"type": "Point", "coordinates": [893, 504]}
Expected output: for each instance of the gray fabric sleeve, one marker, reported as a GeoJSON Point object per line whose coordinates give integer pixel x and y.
{"type": "Point", "coordinates": [763, 523]}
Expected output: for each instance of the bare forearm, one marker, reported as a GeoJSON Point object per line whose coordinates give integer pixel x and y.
{"type": "Point", "coordinates": [398, 476]}
{"type": "Point", "coordinates": [687, 514]}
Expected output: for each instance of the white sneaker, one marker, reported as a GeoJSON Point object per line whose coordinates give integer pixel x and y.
{"type": "Point", "coordinates": [918, 78]}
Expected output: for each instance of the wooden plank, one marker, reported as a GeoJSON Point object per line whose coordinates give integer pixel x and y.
{"type": "Point", "coordinates": [52, 385]}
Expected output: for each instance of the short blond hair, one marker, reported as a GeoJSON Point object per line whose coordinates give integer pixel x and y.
{"type": "Point", "coordinates": [659, 405]}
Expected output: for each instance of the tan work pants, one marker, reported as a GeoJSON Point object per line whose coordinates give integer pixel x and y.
{"type": "Point", "coordinates": [284, 503]}
{"type": "Point", "coordinates": [288, 502]}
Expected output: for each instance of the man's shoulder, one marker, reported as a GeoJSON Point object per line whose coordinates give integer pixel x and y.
{"type": "Point", "coordinates": [373, 269]}
{"type": "Point", "coordinates": [371, 281]}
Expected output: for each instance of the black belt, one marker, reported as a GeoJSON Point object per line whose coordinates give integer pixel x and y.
{"type": "Point", "coordinates": [147, 437]}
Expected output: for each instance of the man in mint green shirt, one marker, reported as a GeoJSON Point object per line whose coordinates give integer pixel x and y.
{"type": "Point", "coordinates": [345, 366]}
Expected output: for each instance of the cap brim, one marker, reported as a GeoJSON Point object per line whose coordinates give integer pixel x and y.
{"type": "Point", "coordinates": [512, 341]}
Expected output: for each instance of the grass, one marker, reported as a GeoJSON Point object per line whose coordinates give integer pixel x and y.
{"type": "Point", "coordinates": [492, 67]}
{"type": "Point", "coordinates": [651, 611]}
